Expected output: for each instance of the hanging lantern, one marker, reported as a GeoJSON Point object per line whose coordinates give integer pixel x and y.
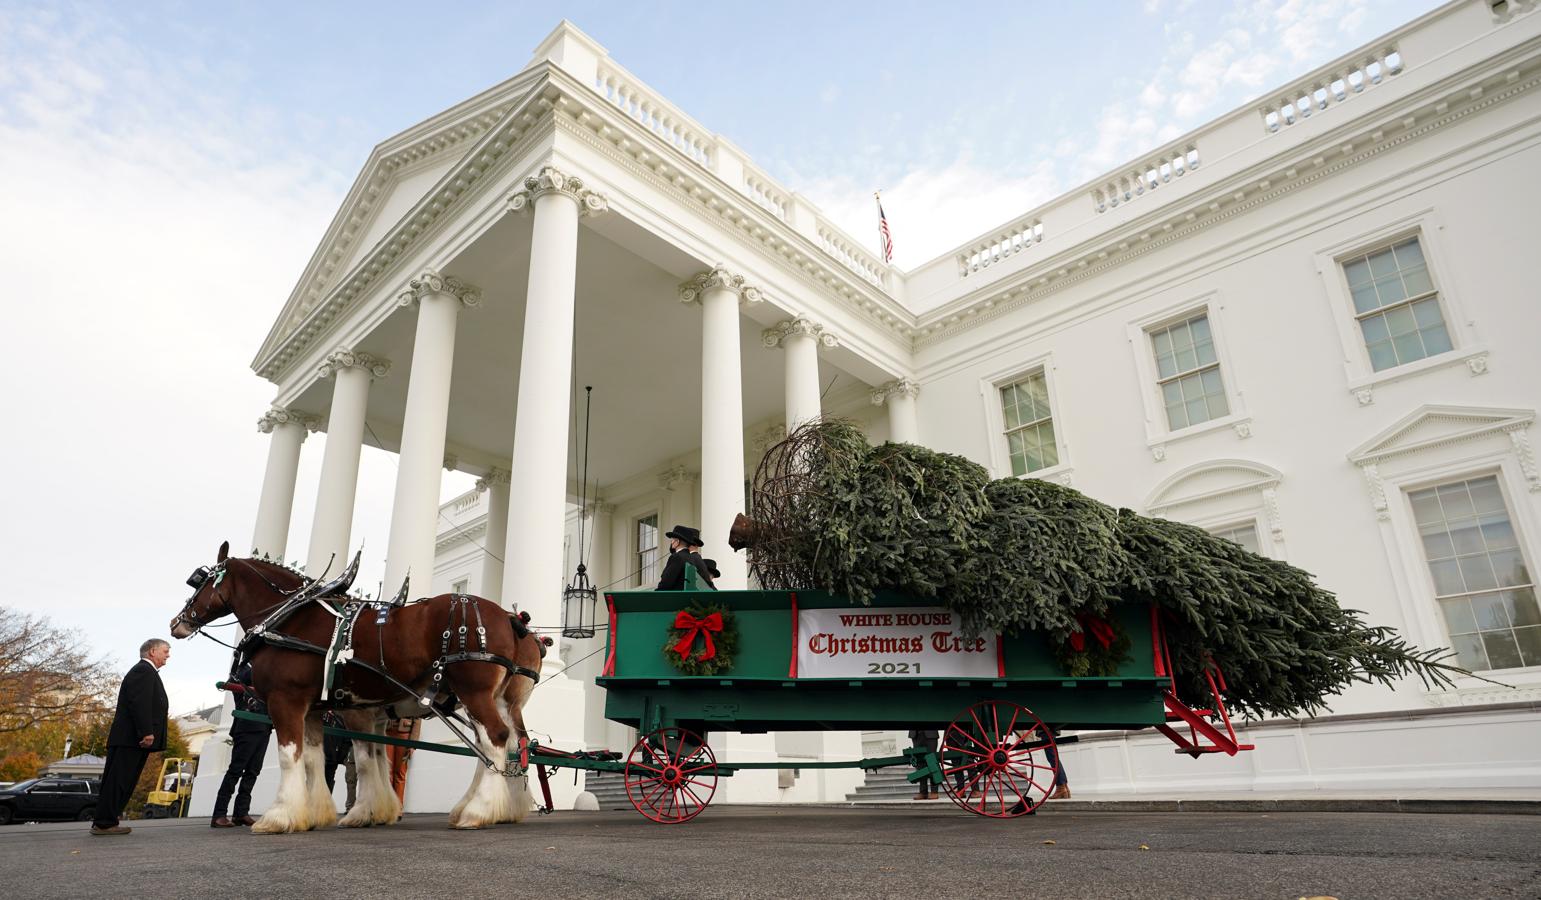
{"type": "Point", "coordinates": [579, 600]}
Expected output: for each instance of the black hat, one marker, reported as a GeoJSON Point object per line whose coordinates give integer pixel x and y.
{"type": "Point", "coordinates": [691, 536]}
{"type": "Point", "coordinates": [711, 568]}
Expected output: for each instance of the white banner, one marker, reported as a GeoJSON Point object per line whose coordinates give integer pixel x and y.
{"type": "Point", "coordinates": [913, 642]}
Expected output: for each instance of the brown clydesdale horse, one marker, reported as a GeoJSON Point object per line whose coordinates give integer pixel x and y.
{"type": "Point", "coordinates": [291, 680]}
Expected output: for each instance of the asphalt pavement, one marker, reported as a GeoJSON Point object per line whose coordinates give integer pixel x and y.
{"type": "Point", "coordinates": [804, 853]}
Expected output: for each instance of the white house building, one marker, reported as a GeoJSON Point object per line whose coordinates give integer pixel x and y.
{"type": "Point", "coordinates": [1309, 325]}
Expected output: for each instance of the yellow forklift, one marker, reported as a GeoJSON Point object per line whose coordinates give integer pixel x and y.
{"type": "Point", "coordinates": [174, 789]}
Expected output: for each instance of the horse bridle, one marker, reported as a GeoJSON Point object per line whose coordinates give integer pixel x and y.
{"type": "Point", "coordinates": [196, 581]}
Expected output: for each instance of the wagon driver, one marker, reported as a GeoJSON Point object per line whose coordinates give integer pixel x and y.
{"type": "Point", "coordinates": [684, 550]}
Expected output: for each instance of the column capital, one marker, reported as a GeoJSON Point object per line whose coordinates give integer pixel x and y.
{"type": "Point", "coordinates": [674, 476]}
{"type": "Point", "coordinates": [718, 278]}
{"type": "Point", "coordinates": [494, 477]}
{"type": "Point", "coordinates": [600, 508]}
{"type": "Point", "coordinates": [341, 358]}
{"type": "Point", "coordinates": [451, 462]}
{"type": "Point", "coordinates": [551, 180]}
{"type": "Point", "coordinates": [432, 282]}
{"type": "Point", "coordinates": [898, 387]}
{"type": "Point", "coordinates": [775, 337]}
{"type": "Point", "coordinates": [278, 415]}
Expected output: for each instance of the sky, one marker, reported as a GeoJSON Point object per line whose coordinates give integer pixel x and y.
{"type": "Point", "coordinates": [166, 170]}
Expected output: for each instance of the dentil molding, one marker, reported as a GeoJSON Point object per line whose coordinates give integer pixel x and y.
{"type": "Point", "coordinates": [718, 279]}
{"type": "Point", "coordinates": [431, 282]}
{"type": "Point", "coordinates": [277, 416]}
{"type": "Point", "coordinates": [353, 359]}
{"type": "Point", "coordinates": [902, 387]}
{"type": "Point", "coordinates": [551, 180]}
{"type": "Point", "coordinates": [776, 337]}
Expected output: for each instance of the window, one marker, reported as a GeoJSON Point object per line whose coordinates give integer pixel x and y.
{"type": "Point", "coordinates": [1245, 535]}
{"type": "Point", "coordinates": [1396, 305]}
{"type": "Point", "coordinates": [1029, 424]}
{"type": "Point", "coordinates": [460, 586]}
{"type": "Point", "coordinates": [1188, 372]}
{"type": "Point", "coordinates": [1481, 582]}
{"type": "Point", "coordinates": [647, 550]}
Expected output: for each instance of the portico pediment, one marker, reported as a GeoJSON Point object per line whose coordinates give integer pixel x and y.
{"type": "Point", "coordinates": [400, 173]}
{"type": "Point", "coordinates": [1432, 426]}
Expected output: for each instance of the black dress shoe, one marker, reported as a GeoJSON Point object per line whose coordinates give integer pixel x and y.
{"type": "Point", "coordinates": [221, 822]}
{"type": "Point", "coordinates": [1020, 809]}
{"type": "Point", "coordinates": [116, 829]}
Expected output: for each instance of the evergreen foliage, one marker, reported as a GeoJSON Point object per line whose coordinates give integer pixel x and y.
{"type": "Point", "coordinates": [1018, 554]}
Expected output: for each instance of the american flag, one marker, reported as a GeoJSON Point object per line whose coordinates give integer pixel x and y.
{"type": "Point", "coordinates": [884, 238]}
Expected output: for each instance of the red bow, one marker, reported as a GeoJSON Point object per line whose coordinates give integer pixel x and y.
{"type": "Point", "coordinates": [1100, 630]}
{"type": "Point", "coordinates": [693, 626]}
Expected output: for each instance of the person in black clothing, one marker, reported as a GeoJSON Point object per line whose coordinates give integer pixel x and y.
{"type": "Point", "coordinates": [711, 569]}
{"type": "Point", "coordinates": [337, 751]}
{"type": "Point", "coordinates": [683, 543]}
{"type": "Point", "coordinates": [248, 746]}
{"type": "Point", "coordinates": [138, 729]}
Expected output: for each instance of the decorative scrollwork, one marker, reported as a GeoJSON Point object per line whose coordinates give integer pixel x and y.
{"type": "Point", "coordinates": [901, 387]}
{"type": "Point", "coordinates": [431, 282]}
{"type": "Point", "coordinates": [353, 359]}
{"type": "Point", "coordinates": [776, 337]}
{"type": "Point", "coordinates": [551, 180]}
{"type": "Point", "coordinates": [277, 416]}
{"type": "Point", "coordinates": [718, 278]}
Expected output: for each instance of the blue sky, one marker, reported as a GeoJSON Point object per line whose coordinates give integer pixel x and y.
{"type": "Point", "coordinates": [166, 169]}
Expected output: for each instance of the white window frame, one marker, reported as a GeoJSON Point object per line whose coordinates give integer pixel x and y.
{"type": "Point", "coordinates": [1158, 434]}
{"type": "Point", "coordinates": [1467, 349]}
{"type": "Point", "coordinates": [1251, 499]}
{"type": "Point", "coordinates": [460, 586]}
{"type": "Point", "coordinates": [1259, 529]}
{"type": "Point", "coordinates": [995, 418]}
{"type": "Point", "coordinates": [634, 561]}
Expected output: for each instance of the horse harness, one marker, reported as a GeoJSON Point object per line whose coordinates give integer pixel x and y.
{"type": "Point", "coordinates": [339, 653]}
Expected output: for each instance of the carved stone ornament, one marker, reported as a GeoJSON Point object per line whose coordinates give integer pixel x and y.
{"type": "Point", "coordinates": [718, 278]}
{"type": "Point", "coordinates": [1377, 491]}
{"type": "Point", "coordinates": [353, 359]}
{"type": "Point", "coordinates": [1243, 429]}
{"type": "Point", "coordinates": [277, 416]}
{"type": "Point", "coordinates": [1158, 453]}
{"type": "Point", "coordinates": [1365, 396]}
{"type": "Point", "coordinates": [431, 282]}
{"type": "Point", "coordinates": [494, 476]}
{"type": "Point", "coordinates": [675, 476]}
{"type": "Point", "coordinates": [902, 387]}
{"type": "Point", "coordinates": [1519, 436]}
{"type": "Point", "coordinates": [1477, 365]}
{"type": "Point", "coordinates": [775, 337]}
{"type": "Point", "coordinates": [551, 180]}
{"type": "Point", "coordinates": [451, 462]}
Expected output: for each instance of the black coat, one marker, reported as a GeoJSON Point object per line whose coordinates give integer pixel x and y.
{"type": "Point", "coordinates": [246, 699]}
{"type": "Point", "coordinates": [142, 709]}
{"type": "Point", "coordinates": [673, 578]}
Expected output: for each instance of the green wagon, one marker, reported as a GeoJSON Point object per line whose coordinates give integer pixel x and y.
{"type": "Point", "coordinates": [808, 661]}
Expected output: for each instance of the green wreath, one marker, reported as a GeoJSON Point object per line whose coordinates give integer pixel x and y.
{"type": "Point", "coordinates": [702, 639]}
{"type": "Point", "coordinates": [1098, 650]}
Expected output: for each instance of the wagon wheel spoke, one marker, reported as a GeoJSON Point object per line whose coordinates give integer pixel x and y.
{"type": "Point", "coordinates": [954, 747]}
{"type": "Point", "coordinates": [699, 802]}
{"type": "Point", "coordinates": [701, 768]}
{"type": "Point", "coordinates": [980, 725]}
{"type": "Point", "coordinates": [995, 724]}
{"type": "Point", "coordinates": [1029, 779]}
{"type": "Point", "coordinates": [1015, 712]}
{"type": "Point", "coordinates": [647, 768]}
{"type": "Point", "coordinates": [972, 765]}
{"type": "Point", "coordinates": [954, 727]}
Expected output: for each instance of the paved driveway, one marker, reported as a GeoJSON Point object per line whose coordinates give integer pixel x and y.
{"type": "Point", "coordinates": [810, 854]}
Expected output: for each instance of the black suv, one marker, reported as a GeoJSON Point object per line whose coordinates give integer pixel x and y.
{"type": "Point", "coordinates": [39, 799]}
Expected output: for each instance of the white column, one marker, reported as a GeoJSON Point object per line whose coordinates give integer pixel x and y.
{"type": "Point", "coordinates": [332, 526]}
{"type": "Point", "coordinates": [801, 338]}
{"type": "Point", "coordinates": [537, 500]}
{"type": "Point", "coordinates": [900, 398]}
{"type": "Point", "coordinates": [495, 484]}
{"type": "Point", "coordinates": [288, 428]}
{"type": "Point", "coordinates": [415, 512]}
{"type": "Point", "coordinates": [722, 415]}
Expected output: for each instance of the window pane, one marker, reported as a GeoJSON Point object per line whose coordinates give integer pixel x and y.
{"type": "Point", "coordinates": [1176, 416]}
{"type": "Point", "coordinates": [1217, 406]}
{"type": "Point", "coordinates": [1458, 617]}
{"type": "Point", "coordinates": [1400, 322]}
{"type": "Point", "coordinates": [1182, 337]}
{"type": "Point", "coordinates": [1382, 356]}
{"type": "Point", "coordinates": [1211, 381]}
{"type": "Point", "coordinates": [1436, 542]}
{"type": "Point", "coordinates": [1521, 607]}
{"type": "Point", "coordinates": [1205, 351]}
{"type": "Point", "coordinates": [1390, 290]}
{"type": "Point", "coordinates": [1162, 340]}
{"type": "Point", "coordinates": [1490, 612]}
{"type": "Point", "coordinates": [1447, 578]}
{"type": "Point", "coordinates": [1198, 411]}
{"type": "Point", "coordinates": [1497, 533]}
{"type": "Point", "coordinates": [1502, 650]}
{"type": "Point", "coordinates": [1409, 347]}
{"type": "Point", "coordinates": [1408, 254]}
{"type": "Point", "coordinates": [1382, 263]}
{"type": "Point", "coordinates": [1365, 299]}
{"type": "Point", "coordinates": [1417, 281]}
{"type": "Point", "coordinates": [1426, 508]}
{"type": "Point", "coordinates": [1509, 566]}
{"type": "Point", "coordinates": [1357, 272]}
{"type": "Point", "coordinates": [1469, 651]}
{"type": "Point", "coordinates": [1478, 572]}
{"type": "Point", "coordinates": [1466, 537]}
{"type": "Point", "coordinates": [1187, 359]}
{"type": "Point", "coordinates": [1529, 640]}
{"type": "Point", "coordinates": [1426, 313]}
{"type": "Point", "coordinates": [1486, 496]}
{"type": "Point", "coordinates": [1436, 340]}
{"type": "Point", "coordinates": [1455, 499]}
{"type": "Point", "coordinates": [1038, 390]}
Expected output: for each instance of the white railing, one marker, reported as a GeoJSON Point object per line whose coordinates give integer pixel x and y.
{"type": "Point", "coordinates": [1329, 88]}
{"type": "Point", "coordinates": [842, 248]}
{"type": "Point", "coordinates": [468, 500]}
{"type": "Point", "coordinates": [1016, 237]}
{"type": "Point", "coordinates": [656, 114]}
{"type": "Point", "coordinates": [1159, 169]}
{"type": "Point", "coordinates": [762, 190]}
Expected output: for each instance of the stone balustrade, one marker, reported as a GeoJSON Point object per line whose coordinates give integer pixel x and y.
{"type": "Point", "coordinates": [1013, 239]}
{"type": "Point", "coordinates": [837, 244]}
{"type": "Point", "coordinates": [655, 113]}
{"type": "Point", "coordinates": [764, 191]}
{"type": "Point", "coordinates": [1329, 87]}
{"type": "Point", "coordinates": [1158, 169]}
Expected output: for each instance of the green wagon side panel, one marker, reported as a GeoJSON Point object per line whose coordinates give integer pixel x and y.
{"type": "Point", "coordinates": [645, 691]}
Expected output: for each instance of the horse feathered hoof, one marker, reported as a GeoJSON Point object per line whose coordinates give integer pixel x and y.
{"type": "Point", "coordinates": [278, 823]}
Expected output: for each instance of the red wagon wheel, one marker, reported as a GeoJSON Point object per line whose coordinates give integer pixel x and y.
{"type": "Point", "coordinates": [671, 775]}
{"type": "Point", "coordinates": [1003, 752]}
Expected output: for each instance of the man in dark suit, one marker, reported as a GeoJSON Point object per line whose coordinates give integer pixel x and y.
{"type": "Point", "coordinates": [248, 746]}
{"type": "Point", "coordinates": [684, 541]}
{"type": "Point", "coordinates": [138, 729]}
